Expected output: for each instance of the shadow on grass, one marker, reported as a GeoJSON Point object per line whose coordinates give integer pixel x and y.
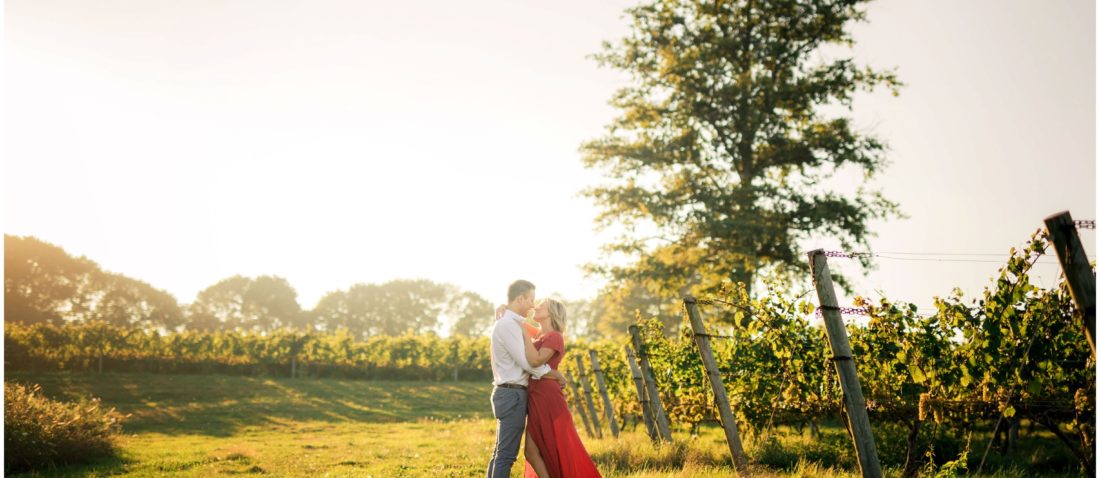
{"type": "Point", "coordinates": [105, 466]}
{"type": "Point", "coordinates": [221, 405]}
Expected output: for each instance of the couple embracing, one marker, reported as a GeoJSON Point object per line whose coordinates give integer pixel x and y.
{"type": "Point", "coordinates": [527, 388]}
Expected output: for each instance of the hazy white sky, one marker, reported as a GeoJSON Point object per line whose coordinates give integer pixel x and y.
{"type": "Point", "coordinates": [333, 142]}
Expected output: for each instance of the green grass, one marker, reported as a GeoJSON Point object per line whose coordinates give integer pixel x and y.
{"type": "Point", "coordinates": [205, 425]}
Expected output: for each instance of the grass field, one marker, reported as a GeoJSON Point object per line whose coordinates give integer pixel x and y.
{"type": "Point", "coordinates": [203, 425]}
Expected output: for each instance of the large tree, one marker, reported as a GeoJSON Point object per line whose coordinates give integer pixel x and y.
{"type": "Point", "coordinates": [261, 304]}
{"type": "Point", "coordinates": [729, 130]}
{"type": "Point", "coordinates": [393, 308]}
{"type": "Point", "coordinates": [473, 314]}
{"type": "Point", "coordinates": [125, 301]}
{"type": "Point", "coordinates": [45, 284]}
{"type": "Point", "coordinates": [617, 306]}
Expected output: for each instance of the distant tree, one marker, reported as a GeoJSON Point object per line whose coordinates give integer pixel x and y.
{"type": "Point", "coordinates": [582, 319]}
{"type": "Point", "coordinates": [728, 132]}
{"type": "Point", "coordinates": [124, 301]}
{"type": "Point", "coordinates": [263, 304]}
{"type": "Point", "coordinates": [473, 314]}
{"type": "Point", "coordinates": [334, 312]}
{"type": "Point", "coordinates": [275, 303]}
{"type": "Point", "coordinates": [409, 306]}
{"type": "Point", "coordinates": [43, 283]}
{"type": "Point", "coordinates": [393, 308]}
{"type": "Point", "coordinates": [220, 306]}
{"type": "Point", "coordinates": [620, 304]}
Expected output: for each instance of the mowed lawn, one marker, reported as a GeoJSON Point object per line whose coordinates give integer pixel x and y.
{"type": "Point", "coordinates": [204, 425]}
{"type": "Point", "coordinates": [219, 425]}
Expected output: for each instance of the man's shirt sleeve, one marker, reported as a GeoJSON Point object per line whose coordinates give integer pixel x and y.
{"type": "Point", "coordinates": [513, 342]}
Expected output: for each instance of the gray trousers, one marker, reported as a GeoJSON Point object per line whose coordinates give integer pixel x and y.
{"type": "Point", "coordinates": [510, 410]}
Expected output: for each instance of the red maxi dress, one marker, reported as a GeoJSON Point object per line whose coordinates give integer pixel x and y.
{"type": "Point", "coordinates": [550, 424]}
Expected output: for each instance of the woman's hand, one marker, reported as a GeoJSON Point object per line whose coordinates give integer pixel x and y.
{"type": "Point", "coordinates": [500, 311]}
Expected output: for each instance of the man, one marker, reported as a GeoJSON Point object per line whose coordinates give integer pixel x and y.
{"type": "Point", "coordinates": [510, 372]}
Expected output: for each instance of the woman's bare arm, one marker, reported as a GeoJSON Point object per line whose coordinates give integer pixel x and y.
{"type": "Point", "coordinates": [534, 356]}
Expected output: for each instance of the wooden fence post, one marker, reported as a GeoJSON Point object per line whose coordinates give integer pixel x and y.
{"type": "Point", "coordinates": [660, 419]}
{"type": "Point", "coordinates": [588, 397]}
{"type": "Point", "coordinates": [845, 367]}
{"type": "Point", "coordinates": [454, 349]}
{"type": "Point", "coordinates": [1078, 271]}
{"type": "Point", "coordinates": [608, 409]}
{"type": "Point", "coordinates": [639, 384]}
{"type": "Point", "coordinates": [729, 423]}
{"type": "Point", "coordinates": [579, 404]}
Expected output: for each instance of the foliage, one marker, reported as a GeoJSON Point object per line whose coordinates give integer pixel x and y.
{"type": "Point", "coordinates": [261, 304]}
{"type": "Point", "coordinates": [104, 347]}
{"type": "Point", "coordinates": [474, 314]}
{"type": "Point", "coordinates": [41, 433]}
{"type": "Point", "coordinates": [1016, 353]}
{"type": "Point", "coordinates": [203, 425]}
{"type": "Point", "coordinates": [619, 304]}
{"type": "Point", "coordinates": [718, 164]}
{"type": "Point", "coordinates": [44, 284]}
{"type": "Point", "coordinates": [393, 308]}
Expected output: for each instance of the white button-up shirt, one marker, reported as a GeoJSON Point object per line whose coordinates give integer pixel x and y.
{"type": "Point", "coordinates": [509, 360]}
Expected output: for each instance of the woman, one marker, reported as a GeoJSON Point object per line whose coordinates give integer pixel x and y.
{"type": "Point", "coordinates": [553, 448]}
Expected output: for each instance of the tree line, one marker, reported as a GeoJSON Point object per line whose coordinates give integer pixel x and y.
{"type": "Point", "coordinates": [43, 284]}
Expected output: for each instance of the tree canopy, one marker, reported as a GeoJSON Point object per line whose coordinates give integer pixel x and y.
{"type": "Point", "coordinates": [728, 133]}
{"type": "Point", "coordinates": [43, 284]}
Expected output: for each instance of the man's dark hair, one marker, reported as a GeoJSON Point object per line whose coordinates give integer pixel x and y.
{"type": "Point", "coordinates": [519, 288]}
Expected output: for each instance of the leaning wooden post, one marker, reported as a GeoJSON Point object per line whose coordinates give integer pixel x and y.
{"type": "Point", "coordinates": [579, 404]}
{"type": "Point", "coordinates": [608, 409]}
{"type": "Point", "coordinates": [659, 416]}
{"type": "Point", "coordinates": [845, 367]}
{"type": "Point", "coordinates": [588, 397]}
{"type": "Point", "coordinates": [639, 385]}
{"type": "Point", "coordinates": [729, 424]}
{"type": "Point", "coordinates": [1078, 271]}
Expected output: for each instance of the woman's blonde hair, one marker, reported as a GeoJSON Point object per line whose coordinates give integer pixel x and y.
{"type": "Point", "coordinates": [557, 314]}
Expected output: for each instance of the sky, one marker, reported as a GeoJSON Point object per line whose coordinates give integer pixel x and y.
{"type": "Point", "coordinates": [334, 142]}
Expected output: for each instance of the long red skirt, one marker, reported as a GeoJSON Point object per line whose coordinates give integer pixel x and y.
{"type": "Point", "coordinates": [550, 425]}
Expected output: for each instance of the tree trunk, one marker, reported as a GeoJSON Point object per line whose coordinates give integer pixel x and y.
{"type": "Point", "coordinates": [912, 457]}
{"type": "Point", "coordinates": [455, 350]}
{"type": "Point", "coordinates": [1086, 461]}
{"type": "Point", "coordinates": [1013, 435]}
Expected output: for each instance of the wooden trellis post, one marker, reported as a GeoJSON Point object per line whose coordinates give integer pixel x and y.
{"type": "Point", "coordinates": [579, 404]}
{"type": "Point", "coordinates": [729, 423]}
{"type": "Point", "coordinates": [639, 384]}
{"type": "Point", "coordinates": [588, 397]}
{"type": "Point", "coordinates": [845, 367]}
{"type": "Point", "coordinates": [608, 409]}
{"type": "Point", "coordinates": [659, 416]}
{"type": "Point", "coordinates": [1078, 271]}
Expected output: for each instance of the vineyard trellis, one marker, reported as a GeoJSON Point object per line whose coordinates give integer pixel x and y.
{"type": "Point", "coordinates": [959, 366]}
{"type": "Point", "coordinates": [1016, 352]}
